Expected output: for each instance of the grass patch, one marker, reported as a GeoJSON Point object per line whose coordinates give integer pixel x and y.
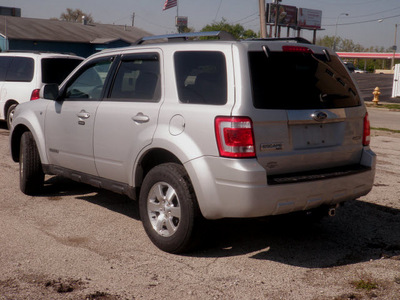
{"type": "Point", "coordinates": [366, 285]}
{"type": "Point", "coordinates": [391, 106]}
{"type": "Point", "coordinates": [386, 129]}
{"type": "Point", "coordinates": [385, 105]}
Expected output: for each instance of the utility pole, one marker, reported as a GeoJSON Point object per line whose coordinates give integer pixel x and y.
{"type": "Point", "coordinates": [263, 29]}
{"type": "Point", "coordinates": [133, 19]}
{"type": "Point", "coordinates": [394, 45]}
{"type": "Point", "coordinates": [276, 16]}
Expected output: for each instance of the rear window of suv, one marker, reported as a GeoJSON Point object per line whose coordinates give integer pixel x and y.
{"type": "Point", "coordinates": [291, 80]}
{"type": "Point", "coordinates": [55, 70]}
{"type": "Point", "coordinates": [201, 77]}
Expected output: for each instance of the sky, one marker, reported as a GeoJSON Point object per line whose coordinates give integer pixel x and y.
{"type": "Point", "coordinates": [369, 22]}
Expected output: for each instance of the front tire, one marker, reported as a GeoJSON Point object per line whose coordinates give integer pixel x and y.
{"type": "Point", "coordinates": [168, 208]}
{"type": "Point", "coordinates": [31, 176]}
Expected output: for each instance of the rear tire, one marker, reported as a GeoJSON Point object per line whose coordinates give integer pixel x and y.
{"type": "Point", "coordinates": [10, 115]}
{"type": "Point", "coordinates": [168, 208]}
{"type": "Point", "coordinates": [31, 176]}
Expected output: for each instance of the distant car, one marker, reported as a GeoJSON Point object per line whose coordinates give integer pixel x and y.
{"type": "Point", "coordinates": [203, 129]}
{"type": "Point", "coordinates": [22, 74]}
{"type": "Point", "coordinates": [350, 66]}
{"type": "Point", "coordinates": [359, 71]}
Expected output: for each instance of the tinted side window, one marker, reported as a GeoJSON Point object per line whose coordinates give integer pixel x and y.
{"type": "Point", "coordinates": [21, 69]}
{"type": "Point", "coordinates": [4, 63]}
{"type": "Point", "coordinates": [201, 77]}
{"type": "Point", "coordinates": [138, 79]}
{"type": "Point", "coordinates": [89, 82]}
{"type": "Point", "coordinates": [286, 80]}
{"type": "Point", "coordinates": [54, 70]}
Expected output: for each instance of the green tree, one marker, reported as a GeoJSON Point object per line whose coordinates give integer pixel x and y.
{"type": "Point", "coordinates": [342, 45]}
{"type": "Point", "coordinates": [236, 30]}
{"type": "Point", "coordinates": [346, 45]}
{"type": "Point", "coordinates": [75, 15]}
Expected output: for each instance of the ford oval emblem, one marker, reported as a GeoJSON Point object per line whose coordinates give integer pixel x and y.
{"type": "Point", "coordinates": [319, 116]}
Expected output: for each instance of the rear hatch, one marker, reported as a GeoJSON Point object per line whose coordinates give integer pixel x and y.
{"type": "Point", "coordinates": [308, 117]}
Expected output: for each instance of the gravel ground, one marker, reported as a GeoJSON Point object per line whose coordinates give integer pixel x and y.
{"type": "Point", "coordinates": [78, 242]}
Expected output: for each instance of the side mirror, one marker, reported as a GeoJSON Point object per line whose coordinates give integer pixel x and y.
{"type": "Point", "coordinates": [50, 91]}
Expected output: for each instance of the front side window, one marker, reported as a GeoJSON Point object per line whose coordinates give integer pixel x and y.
{"type": "Point", "coordinates": [89, 82]}
{"type": "Point", "coordinates": [137, 79]}
{"type": "Point", "coordinates": [201, 77]}
{"type": "Point", "coordinates": [21, 69]}
{"type": "Point", "coordinates": [286, 80]}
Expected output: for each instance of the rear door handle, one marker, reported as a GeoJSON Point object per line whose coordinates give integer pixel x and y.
{"type": "Point", "coordinates": [83, 114]}
{"type": "Point", "coordinates": [140, 118]}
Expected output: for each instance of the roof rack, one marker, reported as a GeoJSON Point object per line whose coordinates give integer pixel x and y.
{"type": "Point", "coordinates": [289, 39]}
{"type": "Point", "coordinates": [222, 35]}
{"type": "Point", "coordinates": [37, 52]}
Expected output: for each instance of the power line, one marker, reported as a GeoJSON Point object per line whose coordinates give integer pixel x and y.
{"type": "Point", "coordinates": [346, 2]}
{"type": "Point", "coordinates": [246, 17]}
{"type": "Point", "coordinates": [362, 16]}
{"type": "Point", "coordinates": [361, 22]}
{"type": "Point", "coordinates": [216, 14]}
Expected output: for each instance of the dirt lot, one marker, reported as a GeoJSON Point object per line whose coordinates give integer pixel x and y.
{"type": "Point", "coordinates": [78, 242]}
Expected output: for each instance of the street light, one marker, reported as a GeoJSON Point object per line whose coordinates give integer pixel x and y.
{"type": "Point", "coordinates": [337, 21]}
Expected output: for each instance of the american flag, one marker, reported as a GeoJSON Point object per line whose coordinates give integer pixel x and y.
{"type": "Point", "coordinates": [170, 3]}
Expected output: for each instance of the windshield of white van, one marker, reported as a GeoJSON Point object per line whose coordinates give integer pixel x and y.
{"type": "Point", "coordinates": [291, 80]}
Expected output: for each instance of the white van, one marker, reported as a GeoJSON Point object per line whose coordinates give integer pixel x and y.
{"type": "Point", "coordinates": [22, 74]}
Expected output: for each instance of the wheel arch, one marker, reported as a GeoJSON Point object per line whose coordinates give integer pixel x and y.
{"type": "Point", "coordinates": [7, 105]}
{"type": "Point", "coordinates": [151, 158]}
{"type": "Point", "coordinates": [15, 141]}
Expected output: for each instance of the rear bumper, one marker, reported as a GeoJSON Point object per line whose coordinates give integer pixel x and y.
{"type": "Point", "coordinates": [229, 188]}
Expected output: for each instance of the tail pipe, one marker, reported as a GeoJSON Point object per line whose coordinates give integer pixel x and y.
{"type": "Point", "coordinates": [332, 210]}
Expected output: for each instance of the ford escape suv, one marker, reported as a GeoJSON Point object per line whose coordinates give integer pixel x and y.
{"type": "Point", "coordinates": [22, 74]}
{"type": "Point", "coordinates": [203, 130]}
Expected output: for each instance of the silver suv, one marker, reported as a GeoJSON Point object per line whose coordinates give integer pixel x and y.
{"type": "Point", "coordinates": [203, 130]}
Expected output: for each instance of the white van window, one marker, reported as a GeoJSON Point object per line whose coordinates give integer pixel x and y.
{"type": "Point", "coordinates": [21, 69]}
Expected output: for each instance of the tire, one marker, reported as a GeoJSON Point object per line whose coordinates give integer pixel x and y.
{"type": "Point", "coordinates": [169, 223]}
{"type": "Point", "coordinates": [31, 176]}
{"type": "Point", "coordinates": [10, 115]}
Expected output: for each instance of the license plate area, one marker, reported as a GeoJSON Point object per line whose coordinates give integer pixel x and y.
{"type": "Point", "coordinates": [306, 136]}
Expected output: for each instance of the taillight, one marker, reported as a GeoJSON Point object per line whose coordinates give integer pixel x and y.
{"type": "Point", "coordinates": [35, 94]}
{"type": "Point", "coordinates": [298, 49]}
{"type": "Point", "coordinates": [235, 137]}
{"type": "Point", "coordinates": [367, 131]}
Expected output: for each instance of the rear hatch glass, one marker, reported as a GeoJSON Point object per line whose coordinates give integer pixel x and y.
{"type": "Point", "coordinates": [308, 112]}
{"type": "Point", "coordinates": [55, 70]}
{"type": "Point", "coordinates": [300, 81]}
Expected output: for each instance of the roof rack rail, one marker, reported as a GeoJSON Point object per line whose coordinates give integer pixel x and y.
{"type": "Point", "coordinates": [222, 35]}
{"type": "Point", "coordinates": [296, 39]}
{"type": "Point", "coordinates": [37, 52]}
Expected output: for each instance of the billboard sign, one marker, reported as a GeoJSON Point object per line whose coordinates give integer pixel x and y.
{"type": "Point", "coordinates": [181, 21]}
{"type": "Point", "coordinates": [287, 15]}
{"type": "Point", "coordinates": [309, 18]}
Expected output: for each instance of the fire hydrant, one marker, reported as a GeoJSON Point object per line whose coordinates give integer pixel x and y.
{"type": "Point", "coordinates": [376, 93]}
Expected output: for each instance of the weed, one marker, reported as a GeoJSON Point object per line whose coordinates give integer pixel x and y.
{"type": "Point", "coordinates": [367, 285]}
